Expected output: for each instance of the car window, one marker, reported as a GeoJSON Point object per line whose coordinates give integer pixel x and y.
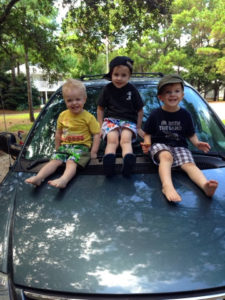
{"type": "Point", "coordinates": [207, 126]}
{"type": "Point", "coordinates": [149, 96]}
{"type": "Point", "coordinates": [40, 142]}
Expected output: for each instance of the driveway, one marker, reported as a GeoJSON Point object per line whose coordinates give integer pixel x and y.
{"type": "Point", "coordinates": [219, 108]}
{"type": "Point", "coordinates": [5, 161]}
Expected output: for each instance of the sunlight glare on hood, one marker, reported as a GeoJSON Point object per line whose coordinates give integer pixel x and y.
{"type": "Point", "coordinates": [126, 280]}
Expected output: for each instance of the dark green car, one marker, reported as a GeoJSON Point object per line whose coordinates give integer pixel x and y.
{"type": "Point", "coordinates": [113, 238]}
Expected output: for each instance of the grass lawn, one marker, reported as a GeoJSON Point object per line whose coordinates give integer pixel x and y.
{"type": "Point", "coordinates": [16, 122]}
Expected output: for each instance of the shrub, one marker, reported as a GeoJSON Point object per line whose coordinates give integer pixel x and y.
{"type": "Point", "coordinates": [14, 96]}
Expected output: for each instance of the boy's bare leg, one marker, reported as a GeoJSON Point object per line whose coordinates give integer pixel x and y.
{"type": "Point", "coordinates": [47, 170]}
{"type": "Point", "coordinates": [68, 174]}
{"type": "Point", "coordinates": [166, 161]}
{"type": "Point", "coordinates": [112, 141]}
{"type": "Point", "coordinates": [126, 141]}
{"type": "Point", "coordinates": [208, 186]}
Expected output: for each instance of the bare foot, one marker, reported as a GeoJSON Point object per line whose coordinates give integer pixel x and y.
{"type": "Point", "coordinates": [171, 194]}
{"type": "Point", "coordinates": [59, 183]}
{"type": "Point", "coordinates": [35, 180]}
{"type": "Point", "coordinates": [210, 187]}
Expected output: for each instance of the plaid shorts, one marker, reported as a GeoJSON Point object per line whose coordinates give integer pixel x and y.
{"type": "Point", "coordinates": [110, 124]}
{"type": "Point", "coordinates": [78, 153]}
{"type": "Point", "coordinates": [181, 155]}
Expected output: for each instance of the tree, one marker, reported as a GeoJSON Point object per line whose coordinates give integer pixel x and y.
{"type": "Point", "coordinates": [15, 96]}
{"type": "Point", "coordinates": [32, 25]}
{"type": "Point", "coordinates": [94, 27]}
{"type": "Point", "coordinates": [202, 25]}
{"type": "Point", "coordinates": [5, 10]}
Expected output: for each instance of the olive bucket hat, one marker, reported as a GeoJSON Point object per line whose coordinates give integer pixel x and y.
{"type": "Point", "coordinates": [169, 79]}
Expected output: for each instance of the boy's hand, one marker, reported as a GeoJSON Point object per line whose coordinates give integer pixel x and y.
{"type": "Point", "coordinates": [101, 133]}
{"type": "Point", "coordinates": [145, 147]}
{"type": "Point", "coordinates": [205, 147]}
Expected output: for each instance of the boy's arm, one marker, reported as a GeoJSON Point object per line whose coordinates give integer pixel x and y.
{"type": "Point", "coordinates": [58, 135]}
{"type": "Point", "coordinates": [95, 145]}
{"type": "Point", "coordinates": [139, 123]}
{"type": "Point", "coordinates": [205, 147]}
{"type": "Point", "coordinates": [100, 114]}
{"type": "Point", "coordinates": [146, 144]}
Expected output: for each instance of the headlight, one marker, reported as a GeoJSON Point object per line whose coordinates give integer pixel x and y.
{"type": "Point", "coordinates": [4, 287]}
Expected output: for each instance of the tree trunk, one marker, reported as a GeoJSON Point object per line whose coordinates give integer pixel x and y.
{"type": "Point", "coordinates": [29, 90]}
{"type": "Point", "coordinates": [18, 69]}
{"type": "Point", "coordinates": [224, 95]}
{"type": "Point", "coordinates": [13, 75]}
{"type": "Point", "coordinates": [216, 91]}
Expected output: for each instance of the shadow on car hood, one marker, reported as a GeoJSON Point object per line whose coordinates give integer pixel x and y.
{"type": "Point", "coordinates": [118, 235]}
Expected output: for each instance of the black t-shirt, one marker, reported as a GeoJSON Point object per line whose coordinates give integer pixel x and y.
{"type": "Point", "coordinates": [121, 103]}
{"type": "Point", "coordinates": [170, 128]}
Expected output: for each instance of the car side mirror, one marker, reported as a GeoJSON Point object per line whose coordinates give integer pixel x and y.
{"type": "Point", "coordinates": [8, 144]}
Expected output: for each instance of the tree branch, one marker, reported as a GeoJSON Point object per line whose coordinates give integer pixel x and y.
{"type": "Point", "coordinates": [7, 11]}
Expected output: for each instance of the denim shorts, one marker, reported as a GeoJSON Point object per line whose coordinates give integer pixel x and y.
{"type": "Point", "coordinates": [181, 155]}
{"type": "Point", "coordinates": [110, 124]}
{"type": "Point", "coordinates": [78, 153]}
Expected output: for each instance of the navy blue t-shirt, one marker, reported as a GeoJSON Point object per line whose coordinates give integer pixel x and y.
{"type": "Point", "coordinates": [121, 103]}
{"type": "Point", "coordinates": [170, 128]}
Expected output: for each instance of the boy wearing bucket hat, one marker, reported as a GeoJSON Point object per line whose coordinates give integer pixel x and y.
{"type": "Point", "coordinates": [166, 131]}
{"type": "Point", "coordinates": [120, 112]}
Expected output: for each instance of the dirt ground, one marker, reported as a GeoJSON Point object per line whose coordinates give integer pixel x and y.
{"type": "Point", "coordinates": [5, 159]}
{"type": "Point", "coordinates": [4, 164]}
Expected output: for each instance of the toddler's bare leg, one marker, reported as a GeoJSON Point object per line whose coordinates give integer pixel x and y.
{"type": "Point", "coordinates": [47, 170]}
{"type": "Point", "coordinates": [166, 161]}
{"type": "Point", "coordinates": [112, 141]}
{"type": "Point", "coordinates": [208, 186]}
{"type": "Point", "coordinates": [68, 174]}
{"type": "Point", "coordinates": [126, 141]}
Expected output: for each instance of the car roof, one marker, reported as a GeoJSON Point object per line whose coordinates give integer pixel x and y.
{"type": "Point", "coordinates": [136, 78]}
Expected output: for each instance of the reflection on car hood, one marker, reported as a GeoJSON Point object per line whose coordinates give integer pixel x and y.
{"type": "Point", "coordinates": [118, 235]}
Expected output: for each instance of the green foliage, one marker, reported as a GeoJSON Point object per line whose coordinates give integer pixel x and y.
{"type": "Point", "coordinates": [14, 96]}
{"type": "Point", "coordinates": [184, 36]}
{"type": "Point", "coordinates": [95, 27]}
{"type": "Point", "coordinates": [31, 26]}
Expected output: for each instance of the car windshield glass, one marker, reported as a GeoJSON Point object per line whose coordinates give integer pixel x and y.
{"type": "Point", "coordinates": [40, 142]}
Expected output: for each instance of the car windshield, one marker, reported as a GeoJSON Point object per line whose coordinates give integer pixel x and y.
{"type": "Point", "coordinates": [40, 142]}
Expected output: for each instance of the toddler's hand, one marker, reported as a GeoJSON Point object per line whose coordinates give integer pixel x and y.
{"type": "Point", "coordinates": [140, 132]}
{"type": "Point", "coordinates": [101, 133]}
{"type": "Point", "coordinates": [205, 147]}
{"type": "Point", "coordinates": [93, 155]}
{"type": "Point", "coordinates": [145, 147]}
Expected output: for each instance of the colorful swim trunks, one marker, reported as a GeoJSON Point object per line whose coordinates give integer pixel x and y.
{"type": "Point", "coordinates": [78, 153]}
{"type": "Point", "coordinates": [110, 124]}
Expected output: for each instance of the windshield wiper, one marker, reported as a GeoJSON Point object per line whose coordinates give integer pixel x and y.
{"type": "Point", "coordinates": [37, 162]}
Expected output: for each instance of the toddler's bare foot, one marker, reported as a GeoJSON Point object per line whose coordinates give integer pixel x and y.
{"type": "Point", "coordinates": [171, 194]}
{"type": "Point", "coordinates": [59, 183]}
{"type": "Point", "coordinates": [210, 187]}
{"type": "Point", "coordinates": [35, 180]}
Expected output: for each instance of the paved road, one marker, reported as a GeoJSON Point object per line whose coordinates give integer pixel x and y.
{"type": "Point", "coordinates": [219, 108]}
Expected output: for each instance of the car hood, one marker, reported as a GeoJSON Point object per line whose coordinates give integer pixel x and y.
{"type": "Point", "coordinates": [117, 235]}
